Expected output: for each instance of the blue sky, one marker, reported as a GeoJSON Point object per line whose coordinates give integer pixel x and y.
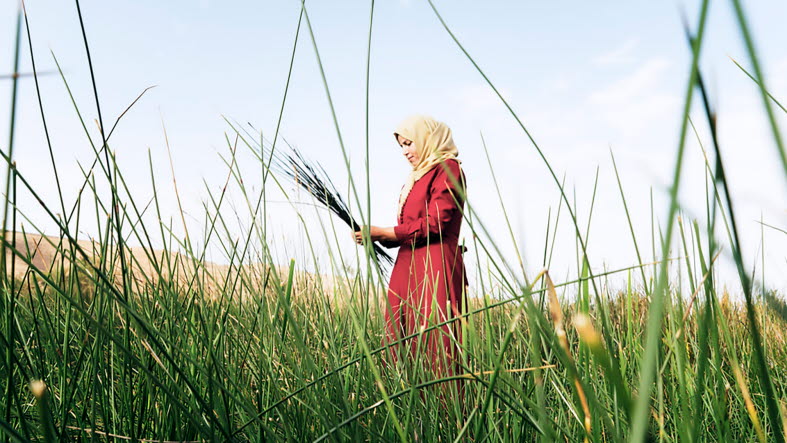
{"type": "Point", "coordinates": [584, 77]}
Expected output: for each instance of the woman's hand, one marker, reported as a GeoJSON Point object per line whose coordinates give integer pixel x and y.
{"type": "Point", "coordinates": [376, 233]}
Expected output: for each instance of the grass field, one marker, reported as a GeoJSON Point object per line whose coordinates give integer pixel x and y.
{"type": "Point", "coordinates": [101, 340]}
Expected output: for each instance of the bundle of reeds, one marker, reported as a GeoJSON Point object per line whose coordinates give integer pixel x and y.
{"type": "Point", "coordinates": [312, 177]}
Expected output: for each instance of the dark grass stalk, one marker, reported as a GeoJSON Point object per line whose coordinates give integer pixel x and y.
{"type": "Point", "coordinates": [113, 190]}
{"type": "Point", "coordinates": [757, 343]}
{"type": "Point", "coordinates": [708, 333]}
{"type": "Point", "coordinates": [41, 109]}
{"type": "Point", "coordinates": [87, 133]}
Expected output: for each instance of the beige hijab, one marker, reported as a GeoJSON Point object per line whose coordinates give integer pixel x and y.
{"type": "Point", "coordinates": [433, 143]}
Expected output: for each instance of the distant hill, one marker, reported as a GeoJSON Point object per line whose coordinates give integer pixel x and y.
{"type": "Point", "coordinates": [48, 254]}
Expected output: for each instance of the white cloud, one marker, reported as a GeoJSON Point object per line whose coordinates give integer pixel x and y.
{"type": "Point", "coordinates": [619, 55]}
{"type": "Point", "coordinates": [643, 80]}
{"type": "Point", "coordinates": [480, 98]}
{"type": "Point", "coordinates": [633, 104]}
{"type": "Point", "coordinates": [564, 81]}
{"type": "Point", "coordinates": [781, 67]}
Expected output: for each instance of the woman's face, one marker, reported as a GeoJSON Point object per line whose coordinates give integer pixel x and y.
{"type": "Point", "coordinates": [408, 149]}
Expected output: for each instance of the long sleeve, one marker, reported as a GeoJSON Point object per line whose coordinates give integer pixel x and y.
{"type": "Point", "coordinates": [441, 208]}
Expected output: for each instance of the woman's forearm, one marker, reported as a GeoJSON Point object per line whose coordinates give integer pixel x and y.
{"type": "Point", "coordinates": [378, 234]}
{"type": "Point", "coordinates": [382, 234]}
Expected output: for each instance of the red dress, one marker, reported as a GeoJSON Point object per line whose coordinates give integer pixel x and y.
{"type": "Point", "coordinates": [428, 280]}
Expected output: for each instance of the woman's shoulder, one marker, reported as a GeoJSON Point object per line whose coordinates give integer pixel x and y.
{"type": "Point", "coordinates": [453, 162]}
{"type": "Point", "coordinates": [447, 172]}
{"type": "Point", "coordinates": [451, 167]}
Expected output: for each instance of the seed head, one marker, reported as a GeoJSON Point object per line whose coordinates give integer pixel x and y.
{"type": "Point", "coordinates": [587, 332]}
{"type": "Point", "coordinates": [38, 387]}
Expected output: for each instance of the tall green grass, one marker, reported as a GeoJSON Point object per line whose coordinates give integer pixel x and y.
{"type": "Point", "coordinates": [118, 343]}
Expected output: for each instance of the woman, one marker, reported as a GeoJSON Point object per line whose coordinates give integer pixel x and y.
{"type": "Point", "coordinates": [428, 280]}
